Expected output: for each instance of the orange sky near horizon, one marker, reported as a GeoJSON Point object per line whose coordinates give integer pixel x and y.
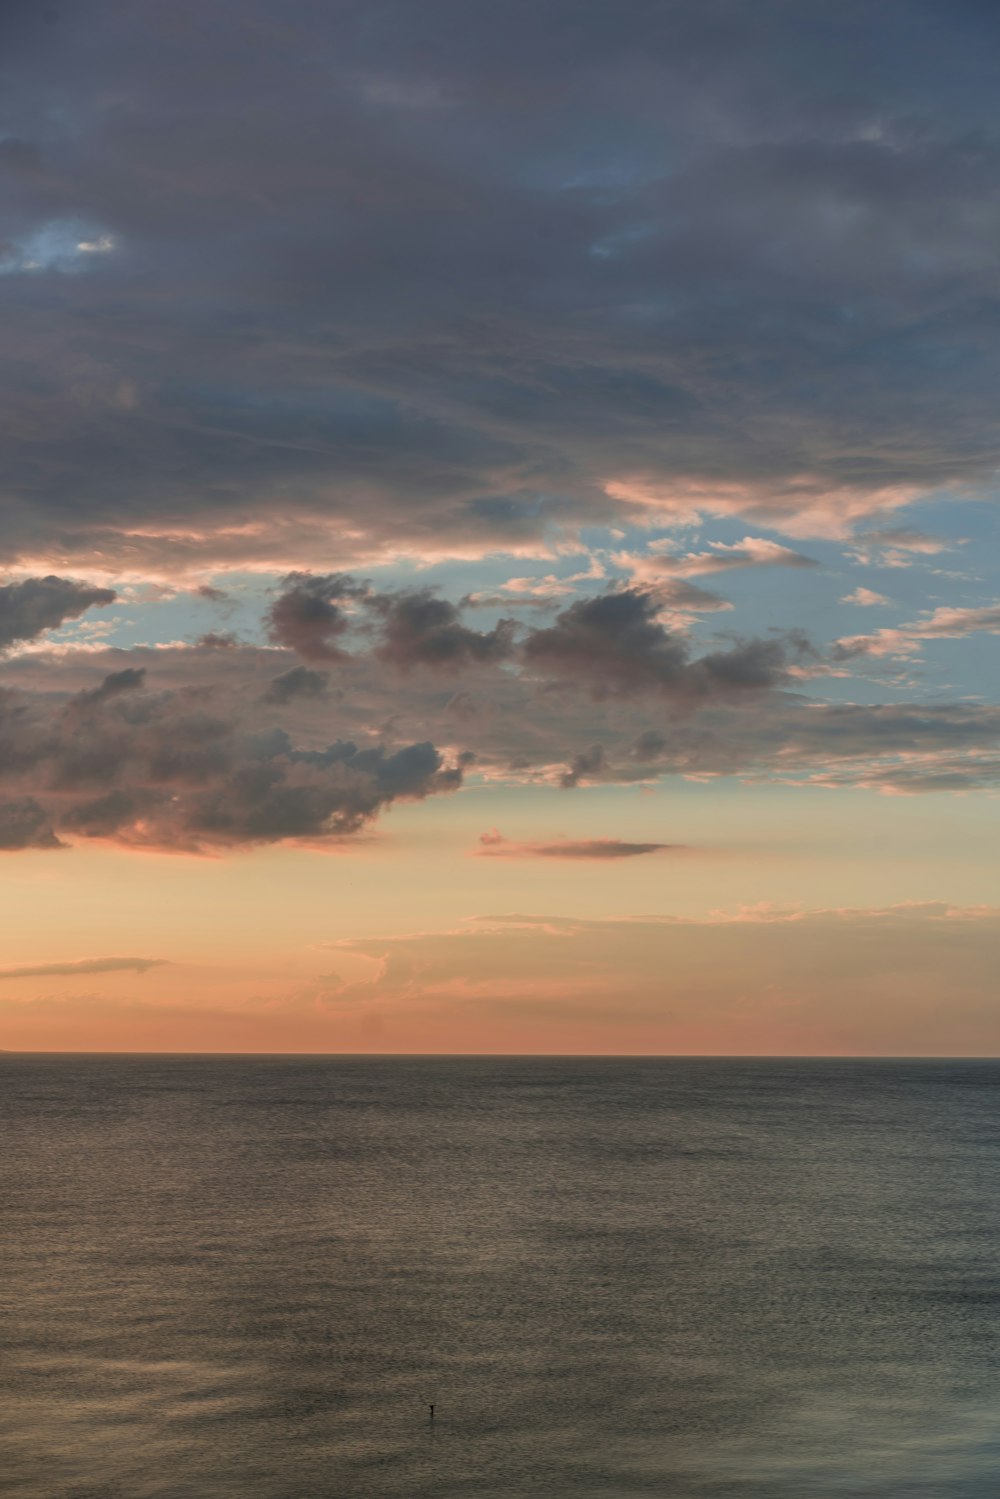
{"type": "Point", "coordinates": [400, 943]}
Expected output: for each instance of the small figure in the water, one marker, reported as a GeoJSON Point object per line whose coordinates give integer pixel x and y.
{"type": "Point", "coordinates": [432, 1413]}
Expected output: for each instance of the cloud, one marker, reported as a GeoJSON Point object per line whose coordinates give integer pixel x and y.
{"type": "Point", "coordinates": [540, 601]}
{"type": "Point", "coordinates": [419, 629]}
{"type": "Point", "coordinates": [29, 608]}
{"type": "Point", "coordinates": [913, 980]}
{"type": "Point", "coordinates": [901, 980]}
{"type": "Point", "coordinates": [494, 845]}
{"type": "Point", "coordinates": [753, 551]}
{"type": "Point", "coordinates": [950, 623]}
{"type": "Point", "coordinates": [905, 747]}
{"type": "Point", "coordinates": [865, 598]}
{"type": "Point", "coordinates": [423, 310]}
{"type": "Point", "coordinates": [585, 763]}
{"type": "Point", "coordinates": [308, 616]}
{"type": "Point", "coordinates": [945, 623]}
{"type": "Point", "coordinates": [648, 745]}
{"type": "Point", "coordinates": [615, 646]}
{"type": "Point", "coordinates": [896, 546]}
{"type": "Point", "coordinates": [24, 823]}
{"type": "Point", "coordinates": [758, 291]}
{"type": "Point", "coordinates": [798, 505]}
{"type": "Point", "coordinates": [300, 681]}
{"type": "Point", "coordinates": [82, 965]}
{"type": "Point", "coordinates": [680, 597]}
{"type": "Point", "coordinates": [415, 627]}
{"type": "Point", "coordinates": [536, 593]}
{"type": "Point", "coordinates": [887, 642]}
{"type": "Point", "coordinates": [129, 679]}
{"type": "Point", "coordinates": [521, 726]}
{"type": "Point", "coordinates": [186, 770]}
{"type": "Point", "coordinates": [213, 640]}
{"type": "Point", "coordinates": [177, 758]}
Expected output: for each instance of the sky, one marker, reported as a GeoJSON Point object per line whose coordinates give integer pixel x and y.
{"type": "Point", "coordinates": [498, 534]}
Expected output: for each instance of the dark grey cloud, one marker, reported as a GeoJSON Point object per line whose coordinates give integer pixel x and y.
{"type": "Point", "coordinates": [105, 816]}
{"type": "Point", "coordinates": [129, 679]}
{"type": "Point", "coordinates": [24, 823]}
{"type": "Point", "coordinates": [414, 628]}
{"type": "Point", "coordinates": [419, 629]}
{"type": "Point", "coordinates": [300, 681]}
{"type": "Point", "coordinates": [133, 766]}
{"type": "Point", "coordinates": [286, 793]}
{"type": "Point", "coordinates": [428, 277]}
{"type": "Point", "coordinates": [308, 615]}
{"type": "Point", "coordinates": [900, 746]}
{"type": "Point", "coordinates": [585, 763]}
{"type": "Point", "coordinates": [166, 769]}
{"type": "Point", "coordinates": [29, 608]}
{"type": "Point", "coordinates": [615, 646]}
{"type": "Point", "coordinates": [648, 745]}
{"type": "Point", "coordinates": [215, 640]}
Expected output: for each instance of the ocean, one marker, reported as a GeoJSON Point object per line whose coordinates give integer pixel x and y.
{"type": "Point", "coordinates": [692, 1279]}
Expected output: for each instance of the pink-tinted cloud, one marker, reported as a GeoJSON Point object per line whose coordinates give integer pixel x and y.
{"type": "Point", "coordinates": [663, 561]}
{"type": "Point", "coordinates": [800, 506]}
{"type": "Point", "coordinates": [945, 623]}
{"type": "Point", "coordinates": [896, 546]}
{"type": "Point", "coordinates": [865, 598]}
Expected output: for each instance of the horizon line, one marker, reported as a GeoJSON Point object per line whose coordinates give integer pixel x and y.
{"type": "Point", "coordinates": [527, 1056]}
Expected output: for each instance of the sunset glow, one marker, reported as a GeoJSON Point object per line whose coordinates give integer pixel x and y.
{"type": "Point", "coordinates": [499, 535]}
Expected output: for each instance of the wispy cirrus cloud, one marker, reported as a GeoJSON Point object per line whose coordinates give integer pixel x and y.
{"type": "Point", "coordinates": [897, 546]}
{"type": "Point", "coordinates": [945, 623]}
{"type": "Point", "coordinates": [663, 560]}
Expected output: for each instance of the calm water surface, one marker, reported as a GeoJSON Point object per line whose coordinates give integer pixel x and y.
{"type": "Point", "coordinates": [693, 1279]}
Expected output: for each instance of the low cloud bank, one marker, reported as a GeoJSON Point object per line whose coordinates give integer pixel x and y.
{"type": "Point", "coordinates": [178, 770]}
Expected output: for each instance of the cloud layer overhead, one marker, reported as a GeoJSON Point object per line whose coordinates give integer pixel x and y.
{"type": "Point", "coordinates": [441, 278]}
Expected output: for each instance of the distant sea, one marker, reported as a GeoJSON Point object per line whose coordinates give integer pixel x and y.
{"type": "Point", "coordinates": [686, 1278]}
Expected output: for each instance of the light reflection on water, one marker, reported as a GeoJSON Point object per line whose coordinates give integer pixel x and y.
{"type": "Point", "coordinates": [693, 1279]}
